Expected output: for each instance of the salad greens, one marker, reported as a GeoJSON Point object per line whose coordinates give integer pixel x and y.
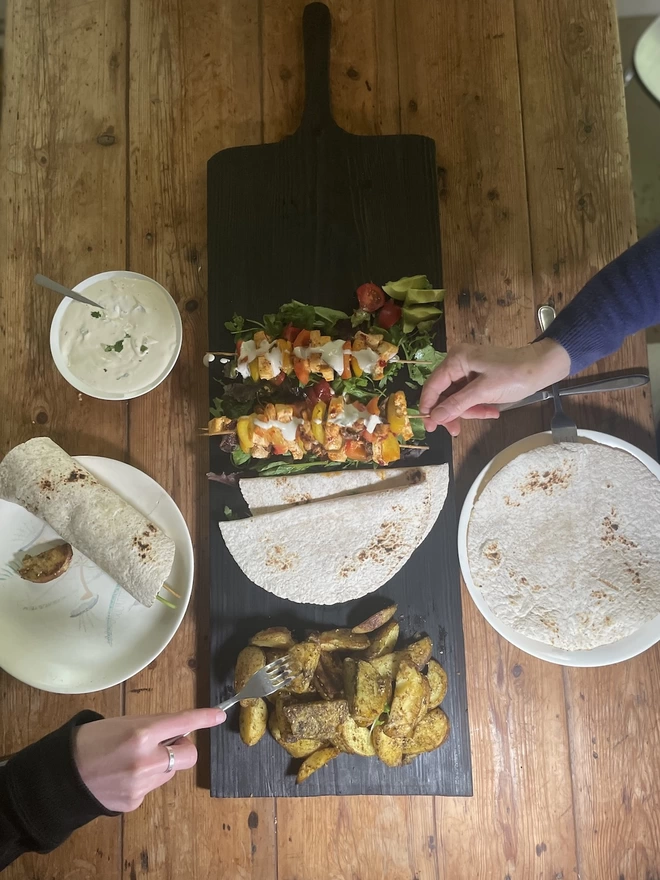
{"type": "Point", "coordinates": [412, 333]}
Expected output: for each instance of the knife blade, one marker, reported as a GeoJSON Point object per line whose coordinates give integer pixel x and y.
{"type": "Point", "coordinates": [615, 383]}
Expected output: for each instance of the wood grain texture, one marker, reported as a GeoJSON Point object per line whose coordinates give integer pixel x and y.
{"type": "Point", "coordinates": [577, 160]}
{"type": "Point", "coordinates": [459, 85]}
{"type": "Point", "coordinates": [447, 55]}
{"type": "Point", "coordinates": [62, 213]}
{"type": "Point", "coordinates": [195, 72]}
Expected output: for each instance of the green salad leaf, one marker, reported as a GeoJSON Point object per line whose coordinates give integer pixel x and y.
{"type": "Point", "coordinates": [326, 319]}
{"type": "Point", "coordinates": [420, 373]}
{"type": "Point", "coordinates": [236, 325]}
{"type": "Point", "coordinates": [239, 457]}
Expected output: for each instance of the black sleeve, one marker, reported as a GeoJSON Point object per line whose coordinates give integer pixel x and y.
{"type": "Point", "coordinates": [42, 797]}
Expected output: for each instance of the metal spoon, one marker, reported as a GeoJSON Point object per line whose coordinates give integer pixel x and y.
{"type": "Point", "coordinates": [42, 281]}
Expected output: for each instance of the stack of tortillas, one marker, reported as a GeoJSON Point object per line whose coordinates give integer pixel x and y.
{"type": "Point", "coordinates": [330, 538]}
{"type": "Point", "coordinates": [564, 543]}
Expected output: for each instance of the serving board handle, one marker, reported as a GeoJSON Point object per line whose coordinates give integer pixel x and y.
{"type": "Point", "coordinates": [317, 27]}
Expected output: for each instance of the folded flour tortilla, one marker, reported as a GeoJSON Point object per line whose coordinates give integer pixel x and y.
{"type": "Point", "coordinates": [43, 479]}
{"type": "Point", "coordinates": [325, 539]}
{"type": "Point", "coordinates": [564, 543]}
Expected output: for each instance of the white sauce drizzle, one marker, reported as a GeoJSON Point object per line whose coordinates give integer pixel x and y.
{"type": "Point", "coordinates": [288, 429]}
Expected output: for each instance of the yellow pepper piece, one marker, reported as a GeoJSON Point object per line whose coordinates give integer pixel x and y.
{"type": "Point", "coordinates": [390, 450]}
{"type": "Point", "coordinates": [357, 369]}
{"type": "Point", "coordinates": [318, 417]}
{"type": "Point", "coordinates": [254, 370]}
{"type": "Point", "coordinates": [245, 432]}
{"type": "Point", "coordinates": [397, 412]}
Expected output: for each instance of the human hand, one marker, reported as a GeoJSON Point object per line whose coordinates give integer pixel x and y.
{"type": "Point", "coordinates": [473, 378]}
{"type": "Point", "coordinates": [120, 760]}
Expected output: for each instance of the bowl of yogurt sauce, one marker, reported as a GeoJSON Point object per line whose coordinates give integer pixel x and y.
{"type": "Point", "coordinates": [124, 349]}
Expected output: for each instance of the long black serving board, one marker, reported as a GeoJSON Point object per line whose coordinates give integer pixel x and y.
{"type": "Point", "coordinates": [311, 218]}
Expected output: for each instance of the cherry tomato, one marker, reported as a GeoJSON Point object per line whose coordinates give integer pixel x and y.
{"type": "Point", "coordinates": [389, 314]}
{"type": "Point", "coordinates": [370, 296]}
{"type": "Point", "coordinates": [302, 339]}
{"type": "Point", "coordinates": [301, 369]}
{"type": "Point", "coordinates": [320, 391]}
{"type": "Point", "coordinates": [290, 332]}
{"type": "Point", "coordinates": [355, 450]}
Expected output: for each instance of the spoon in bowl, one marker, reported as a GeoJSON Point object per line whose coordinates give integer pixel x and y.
{"type": "Point", "coordinates": [42, 281]}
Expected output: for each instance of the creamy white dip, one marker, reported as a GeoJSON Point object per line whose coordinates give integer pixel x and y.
{"type": "Point", "coordinates": [126, 345]}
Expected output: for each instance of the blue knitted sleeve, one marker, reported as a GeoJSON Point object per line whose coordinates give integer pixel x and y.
{"type": "Point", "coordinates": [621, 299]}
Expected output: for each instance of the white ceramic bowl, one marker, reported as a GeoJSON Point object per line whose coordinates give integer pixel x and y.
{"type": "Point", "coordinates": [616, 652]}
{"type": "Point", "coordinates": [80, 384]}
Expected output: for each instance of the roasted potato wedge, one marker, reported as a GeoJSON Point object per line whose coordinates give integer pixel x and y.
{"type": "Point", "coordinates": [304, 657]}
{"type": "Point", "coordinates": [387, 666]}
{"type": "Point", "coordinates": [429, 734]}
{"type": "Point", "coordinates": [383, 641]}
{"type": "Point", "coordinates": [420, 652]}
{"type": "Point", "coordinates": [406, 702]}
{"type": "Point", "coordinates": [438, 681]}
{"type": "Point", "coordinates": [388, 749]}
{"type": "Point", "coordinates": [274, 654]}
{"type": "Point", "coordinates": [249, 661]}
{"type": "Point", "coordinates": [342, 640]}
{"type": "Point", "coordinates": [366, 692]}
{"type": "Point", "coordinates": [329, 678]}
{"type": "Point", "coordinates": [273, 637]}
{"type": "Point", "coordinates": [300, 748]}
{"type": "Point", "coordinates": [45, 567]}
{"type": "Point", "coordinates": [315, 762]}
{"type": "Point", "coordinates": [426, 697]}
{"type": "Point", "coordinates": [376, 620]}
{"type": "Point", "coordinates": [316, 720]}
{"type": "Point", "coordinates": [353, 739]}
{"type": "Point", "coordinates": [252, 721]}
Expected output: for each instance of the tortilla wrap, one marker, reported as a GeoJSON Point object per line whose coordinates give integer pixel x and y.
{"type": "Point", "coordinates": [317, 544]}
{"type": "Point", "coordinates": [43, 479]}
{"type": "Point", "coordinates": [564, 543]}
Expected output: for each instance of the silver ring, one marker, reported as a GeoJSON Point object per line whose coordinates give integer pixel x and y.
{"type": "Point", "coordinates": [170, 763]}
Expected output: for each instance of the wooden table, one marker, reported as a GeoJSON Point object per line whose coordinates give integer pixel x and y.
{"type": "Point", "coordinates": [110, 113]}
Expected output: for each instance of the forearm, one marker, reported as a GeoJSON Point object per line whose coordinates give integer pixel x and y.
{"type": "Point", "coordinates": [621, 299]}
{"type": "Point", "coordinates": [42, 798]}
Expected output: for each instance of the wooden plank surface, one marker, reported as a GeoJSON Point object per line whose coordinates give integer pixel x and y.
{"type": "Point", "coordinates": [578, 161]}
{"type": "Point", "coordinates": [62, 213]}
{"type": "Point", "coordinates": [194, 89]}
{"type": "Point", "coordinates": [205, 59]}
{"type": "Point", "coordinates": [457, 83]}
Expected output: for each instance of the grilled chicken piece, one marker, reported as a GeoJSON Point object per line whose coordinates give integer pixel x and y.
{"type": "Point", "coordinates": [333, 435]}
{"type": "Point", "coordinates": [265, 368]}
{"type": "Point", "coordinates": [46, 566]}
{"type": "Point", "coordinates": [221, 425]}
{"type": "Point", "coordinates": [360, 341]}
{"type": "Point", "coordinates": [261, 452]}
{"type": "Point", "coordinates": [261, 438]}
{"type": "Point", "coordinates": [338, 455]}
{"type": "Point", "coordinates": [327, 372]}
{"type": "Point", "coordinates": [283, 412]}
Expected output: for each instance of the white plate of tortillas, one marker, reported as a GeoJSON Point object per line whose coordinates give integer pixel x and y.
{"type": "Point", "coordinates": [328, 538]}
{"type": "Point", "coordinates": [559, 546]}
{"type": "Point", "coordinates": [82, 632]}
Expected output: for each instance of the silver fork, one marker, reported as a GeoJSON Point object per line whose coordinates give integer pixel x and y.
{"type": "Point", "coordinates": [265, 681]}
{"type": "Point", "coordinates": [564, 429]}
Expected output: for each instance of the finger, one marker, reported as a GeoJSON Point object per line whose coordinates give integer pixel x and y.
{"type": "Point", "coordinates": [185, 757]}
{"type": "Point", "coordinates": [167, 726]}
{"type": "Point", "coordinates": [482, 411]}
{"type": "Point", "coordinates": [453, 407]}
{"type": "Point", "coordinates": [451, 370]}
